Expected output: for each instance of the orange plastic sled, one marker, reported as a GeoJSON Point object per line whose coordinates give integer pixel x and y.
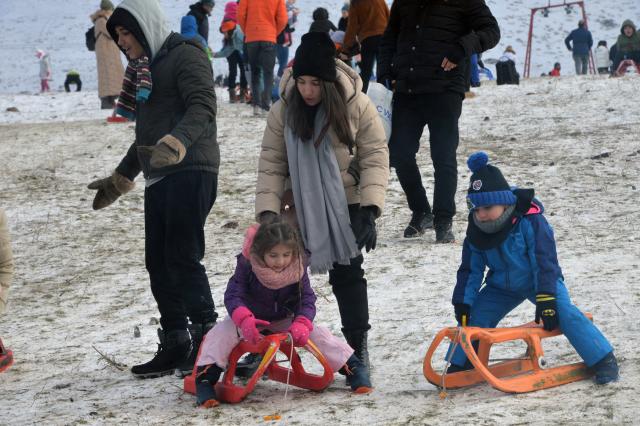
{"type": "Point", "coordinates": [227, 391]}
{"type": "Point", "coordinates": [6, 357]}
{"type": "Point", "coordinates": [526, 374]}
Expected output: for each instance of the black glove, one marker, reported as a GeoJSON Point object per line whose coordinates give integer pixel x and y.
{"type": "Point", "coordinates": [463, 313]}
{"type": "Point", "coordinates": [364, 228]}
{"type": "Point", "coordinates": [546, 308]}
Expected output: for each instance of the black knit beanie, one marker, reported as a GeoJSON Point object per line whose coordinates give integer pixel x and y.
{"type": "Point", "coordinates": [316, 57]}
{"type": "Point", "coordinates": [487, 185]}
{"type": "Point", "coordinates": [122, 17]}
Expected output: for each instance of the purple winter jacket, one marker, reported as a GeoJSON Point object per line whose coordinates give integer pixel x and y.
{"type": "Point", "coordinates": [244, 289]}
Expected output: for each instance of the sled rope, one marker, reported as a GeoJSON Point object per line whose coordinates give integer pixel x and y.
{"type": "Point", "coordinates": [276, 416]}
{"type": "Point", "coordinates": [456, 341]}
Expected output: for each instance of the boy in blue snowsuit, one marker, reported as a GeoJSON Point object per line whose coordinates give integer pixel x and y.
{"type": "Point", "coordinates": [508, 234]}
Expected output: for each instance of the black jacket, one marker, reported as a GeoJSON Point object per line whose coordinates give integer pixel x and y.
{"type": "Point", "coordinates": [421, 33]}
{"type": "Point", "coordinates": [182, 103]}
{"type": "Point", "coordinates": [201, 16]}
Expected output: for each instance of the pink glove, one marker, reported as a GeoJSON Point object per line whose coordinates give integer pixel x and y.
{"type": "Point", "coordinates": [300, 329]}
{"type": "Point", "coordinates": [244, 319]}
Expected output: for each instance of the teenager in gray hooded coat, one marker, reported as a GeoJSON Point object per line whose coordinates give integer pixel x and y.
{"type": "Point", "coordinates": [173, 101]}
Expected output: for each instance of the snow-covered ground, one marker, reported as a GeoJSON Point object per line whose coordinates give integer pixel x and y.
{"type": "Point", "coordinates": [81, 283]}
{"type": "Point", "coordinates": [59, 27]}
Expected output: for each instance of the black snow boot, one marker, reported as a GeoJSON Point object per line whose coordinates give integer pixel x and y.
{"type": "Point", "coordinates": [197, 331]}
{"type": "Point", "coordinates": [444, 232]}
{"type": "Point", "coordinates": [248, 365]}
{"type": "Point", "coordinates": [357, 339]}
{"type": "Point", "coordinates": [420, 221]}
{"type": "Point", "coordinates": [358, 375]}
{"type": "Point", "coordinates": [174, 349]}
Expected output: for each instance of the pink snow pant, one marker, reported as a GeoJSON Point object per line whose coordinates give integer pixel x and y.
{"type": "Point", "coordinates": [221, 339]}
{"type": "Point", "coordinates": [44, 85]}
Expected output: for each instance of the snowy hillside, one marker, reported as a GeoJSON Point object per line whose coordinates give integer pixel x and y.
{"type": "Point", "coordinates": [81, 286]}
{"type": "Point", "coordinates": [59, 27]}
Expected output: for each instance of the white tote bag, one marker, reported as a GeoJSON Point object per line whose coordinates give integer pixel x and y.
{"type": "Point", "coordinates": [381, 98]}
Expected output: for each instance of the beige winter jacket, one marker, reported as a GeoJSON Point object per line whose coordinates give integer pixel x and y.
{"type": "Point", "coordinates": [6, 261]}
{"type": "Point", "coordinates": [110, 69]}
{"type": "Point", "coordinates": [371, 154]}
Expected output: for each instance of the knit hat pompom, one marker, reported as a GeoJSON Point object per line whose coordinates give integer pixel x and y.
{"type": "Point", "coordinates": [477, 160]}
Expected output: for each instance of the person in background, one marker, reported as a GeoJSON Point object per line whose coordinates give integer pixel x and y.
{"type": "Point", "coordinates": [6, 275]}
{"type": "Point", "coordinates": [45, 70]}
{"type": "Point", "coordinates": [321, 22]}
{"type": "Point", "coordinates": [109, 65]}
{"type": "Point", "coordinates": [201, 11]}
{"type": "Point", "coordinates": [73, 77]}
{"type": "Point", "coordinates": [424, 58]}
{"type": "Point", "coordinates": [506, 72]}
{"type": "Point", "coordinates": [582, 43]}
{"type": "Point", "coordinates": [231, 12]}
{"type": "Point", "coordinates": [367, 22]}
{"type": "Point", "coordinates": [602, 58]}
{"type": "Point", "coordinates": [555, 72]}
{"type": "Point", "coordinates": [261, 22]}
{"type": "Point", "coordinates": [232, 50]}
{"type": "Point", "coordinates": [285, 39]}
{"type": "Point", "coordinates": [189, 29]}
{"type": "Point", "coordinates": [628, 44]}
{"type": "Point", "coordinates": [344, 19]}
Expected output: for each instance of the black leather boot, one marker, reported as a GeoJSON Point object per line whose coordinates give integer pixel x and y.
{"type": "Point", "coordinates": [197, 331]}
{"type": "Point", "coordinates": [357, 339]}
{"type": "Point", "coordinates": [174, 349]}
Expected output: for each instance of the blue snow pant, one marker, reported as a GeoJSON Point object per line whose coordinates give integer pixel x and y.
{"type": "Point", "coordinates": [493, 304]}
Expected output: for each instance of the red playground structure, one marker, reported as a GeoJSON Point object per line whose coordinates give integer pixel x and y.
{"type": "Point", "coordinates": [544, 11]}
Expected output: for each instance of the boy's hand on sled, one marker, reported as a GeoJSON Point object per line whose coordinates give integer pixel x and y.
{"type": "Point", "coordinates": [299, 330]}
{"type": "Point", "coordinates": [109, 189]}
{"type": "Point", "coordinates": [364, 228]}
{"type": "Point", "coordinates": [463, 313]}
{"type": "Point", "coordinates": [244, 319]}
{"type": "Point", "coordinates": [547, 310]}
{"type": "Point", "coordinates": [167, 152]}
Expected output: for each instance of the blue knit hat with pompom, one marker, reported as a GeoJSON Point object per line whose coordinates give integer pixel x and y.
{"type": "Point", "coordinates": [487, 185]}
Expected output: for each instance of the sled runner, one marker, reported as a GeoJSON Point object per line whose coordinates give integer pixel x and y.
{"type": "Point", "coordinates": [525, 374]}
{"type": "Point", "coordinates": [6, 358]}
{"type": "Point", "coordinates": [624, 65]}
{"type": "Point", "coordinates": [269, 346]}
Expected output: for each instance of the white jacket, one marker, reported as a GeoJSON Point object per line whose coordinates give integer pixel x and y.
{"type": "Point", "coordinates": [601, 57]}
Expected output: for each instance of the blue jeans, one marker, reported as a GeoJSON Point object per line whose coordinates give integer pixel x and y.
{"type": "Point", "coordinates": [493, 304]}
{"type": "Point", "coordinates": [282, 53]}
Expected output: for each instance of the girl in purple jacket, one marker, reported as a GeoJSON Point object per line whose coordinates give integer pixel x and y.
{"type": "Point", "coordinates": [270, 290]}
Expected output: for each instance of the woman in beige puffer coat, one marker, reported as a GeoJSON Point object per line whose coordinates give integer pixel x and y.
{"type": "Point", "coordinates": [324, 122]}
{"type": "Point", "coordinates": [110, 69]}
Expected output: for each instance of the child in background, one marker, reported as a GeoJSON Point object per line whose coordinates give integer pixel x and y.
{"type": "Point", "coordinates": [73, 77]}
{"type": "Point", "coordinates": [232, 46]}
{"type": "Point", "coordinates": [508, 234]}
{"type": "Point", "coordinates": [270, 290]}
{"type": "Point", "coordinates": [555, 72]}
{"type": "Point", "coordinates": [602, 58]}
{"type": "Point", "coordinates": [45, 70]}
{"type": "Point", "coordinates": [189, 29]}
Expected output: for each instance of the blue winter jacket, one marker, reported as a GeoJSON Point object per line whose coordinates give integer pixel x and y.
{"type": "Point", "coordinates": [189, 29]}
{"type": "Point", "coordinates": [526, 261]}
{"type": "Point", "coordinates": [230, 46]}
{"type": "Point", "coordinates": [582, 41]}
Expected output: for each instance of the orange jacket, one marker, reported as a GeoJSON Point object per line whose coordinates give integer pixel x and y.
{"type": "Point", "coordinates": [366, 18]}
{"type": "Point", "coordinates": [262, 20]}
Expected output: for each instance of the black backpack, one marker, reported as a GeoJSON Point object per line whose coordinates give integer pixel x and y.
{"type": "Point", "coordinates": [90, 39]}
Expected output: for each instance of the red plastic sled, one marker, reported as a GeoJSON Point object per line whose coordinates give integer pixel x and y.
{"type": "Point", "coordinates": [624, 65]}
{"type": "Point", "coordinates": [6, 357]}
{"type": "Point", "coordinates": [227, 391]}
{"type": "Point", "coordinates": [526, 374]}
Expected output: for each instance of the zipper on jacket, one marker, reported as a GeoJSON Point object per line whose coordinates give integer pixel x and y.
{"type": "Point", "coordinates": [506, 266]}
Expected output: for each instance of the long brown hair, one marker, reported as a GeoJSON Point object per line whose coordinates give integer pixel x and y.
{"type": "Point", "coordinates": [274, 232]}
{"type": "Point", "coordinates": [333, 101]}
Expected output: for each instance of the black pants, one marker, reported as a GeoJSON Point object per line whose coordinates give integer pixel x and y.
{"type": "Point", "coordinates": [72, 79]}
{"type": "Point", "coordinates": [350, 288]}
{"type": "Point", "coordinates": [369, 52]}
{"type": "Point", "coordinates": [262, 59]}
{"type": "Point", "coordinates": [175, 211]}
{"type": "Point", "coordinates": [235, 62]}
{"type": "Point", "coordinates": [440, 112]}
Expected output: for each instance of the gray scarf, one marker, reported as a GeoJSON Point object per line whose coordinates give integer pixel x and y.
{"type": "Point", "coordinates": [320, 200]}
{"type": "Point", "coordinates": [491, 227]}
